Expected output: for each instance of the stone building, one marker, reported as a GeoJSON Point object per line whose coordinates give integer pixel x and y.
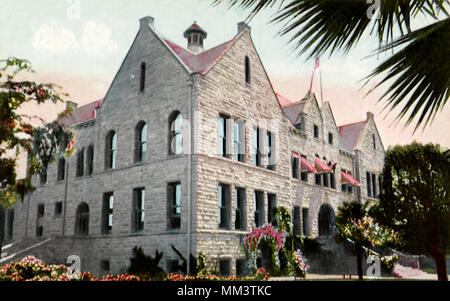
{"type": "Point", "coordinates": [192, 148]}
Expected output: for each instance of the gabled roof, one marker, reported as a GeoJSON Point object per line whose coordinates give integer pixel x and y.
{"type": "Point", "coordinates": [293, 111]}
{"type": "Point", "coordinates": [350, 134]}
{"type": "Point", "coordinates": [203, 61]}
{"type": "Point", "coordinates": [82, 114]}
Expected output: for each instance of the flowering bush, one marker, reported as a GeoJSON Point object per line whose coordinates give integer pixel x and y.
{"type": "Point", "coordinates": [268, 234]}
{"type": "Point", "coordinates": [300, 266]}
{"type": "Point", "coordinates": [261, 275]}
{"type": "Point", "coordinates": [33, 269]}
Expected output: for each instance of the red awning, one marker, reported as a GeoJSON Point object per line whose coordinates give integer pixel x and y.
{"type": "Point", "coordinates": [321, 167]}
{"type": "Point", "coordinates": [348, 179]}
{"type": "Point", "coordinates": [306, 166]}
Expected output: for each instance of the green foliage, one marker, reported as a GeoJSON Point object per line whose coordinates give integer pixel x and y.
{"type": "Point", "coordinates": [415, 201]}
{"type": "Point", "coordinates": [42, 143]}
{"type": "Point", "coordinates": [146, 266]}
{"type": "Point", "coordinates": [197, 264]}
{"type": "Point", "coordinates": [418, 68]}
{"type": "Point", "coordinates": [354, 223]}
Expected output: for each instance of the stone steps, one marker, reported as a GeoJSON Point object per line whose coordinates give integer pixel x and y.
{"type": "Point", "coordinates": [411, 273]}
{"type": "Point", "coordinates": [19, 249]}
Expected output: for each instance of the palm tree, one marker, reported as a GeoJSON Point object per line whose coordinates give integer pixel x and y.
{"type": "Point", "coordinates": [418, 70]}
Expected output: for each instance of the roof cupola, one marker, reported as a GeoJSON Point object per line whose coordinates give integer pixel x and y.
{"type": "Point", "coordinates": [195, 36]}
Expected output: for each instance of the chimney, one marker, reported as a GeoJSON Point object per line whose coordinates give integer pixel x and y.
{"type": "Point", "coordinates": [146, 21]}
{"type": "Point", "coordinates": [242, 26]}
{"type": "Point", "coordinates": [195, 36]}
{"type": "Point", "coordinates": [70, 104]}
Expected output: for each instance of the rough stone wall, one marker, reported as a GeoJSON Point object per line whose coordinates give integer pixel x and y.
{"type": "Point", "coordinates": [370, 159]}
{"type": "Point", "coordinates": [224, 90]}
{"type": "Point", "coordinates": [167, 88]}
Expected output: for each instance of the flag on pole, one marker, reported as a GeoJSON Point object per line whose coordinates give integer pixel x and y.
{"type": "Point", "coordinates": [316, 65]}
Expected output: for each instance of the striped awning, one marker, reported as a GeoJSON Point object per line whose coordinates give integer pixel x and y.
{"type": "Point", "coordinates": [321, 167]}
{"type": "Point", "coordinates": [348, 179]}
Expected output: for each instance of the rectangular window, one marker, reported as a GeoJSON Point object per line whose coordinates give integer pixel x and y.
{"type": "Point", "coordinates": [174, 202]}
{"type": "Point", "coordinates": [270, 155]}
{"type": "Point", "coordinates": [39, 220]}
{"type": "Point", "coordinates": [374, 142]}
{"type": "Point", "coordinates": [295, 166]}
{"type": "Point", "coordinates": [316, 131]}
{"type": "Point", "coordinates": [10, 225]}
{"type": "Point", "coordinates": [105, 266]}
{"type": "Point", "coordinates": [239, 141]}
{"type": "Point", "coordinates": [325, 179]}
{"type": "Point", "coordinates": [330, 138]}
{"type": "Point", "coordinates": [296, 220]}
{"type": "Point", "coordinates": [58, 208]}
{"type": "Point", "coordinates": [302, 124]}
{"type": "Point", "coordinates": [332, 180]}
{"type": "Point", "coordinates": [222, 136]}
{"type": "Point", "coordinates": [240, 221]}
{"type": "Point", "coordinates": [272, 209]}
{"type": "Point", "coordinates": [225, 267]}
{"type": "Point", "coordinates": [374, 186]}
{"type": "Point", "coordinates": [223, 196]}
{"type": "Point", "coordinates": [43, 175]}
{"type": "Point", "coordinates": [90, 160]}
{"type": "Point", "coordinates": [259, 208]}
{"type": "Point", "coordinates": [318, 177]}
{"type": "Point", "coordinates": [369, 184]}
{"type": "Point", "coordinates": [142, 79]}
{"type": "Point", "coordinates": [107, 210]}
{"type": "Point", "coordinates": [242, 267]}
{"type": "Point", "coordinates": [305, 221]}
{"type": "Point", "coordinates": [40, 210]}
{"type": "Point", "coordinates": [80, 163]}
{"type": "Point", "coordinates": [256, 147]}
{"type": "Point", "coordinates": [138, 209]}
{"type": "Point", "coordinates": [61, 169]}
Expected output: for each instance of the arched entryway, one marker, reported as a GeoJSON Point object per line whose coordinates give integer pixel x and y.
{"type": "Point", "coordinates": [327, 220]}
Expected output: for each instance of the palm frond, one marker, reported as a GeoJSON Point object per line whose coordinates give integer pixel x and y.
{"type": "Point", "coordinates": [420, 72]}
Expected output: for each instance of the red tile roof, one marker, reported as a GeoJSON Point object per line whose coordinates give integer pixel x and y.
{"type": "Point", "coordinates": [203, 61]}
{"type": "Point", "coordinates": [82, 114]}
{"type": "Point", "coordinates": [283, 100]}
{"type": "Point", "coordinates": [349, 135]}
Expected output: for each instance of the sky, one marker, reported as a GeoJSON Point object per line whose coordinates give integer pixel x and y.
{"type": "Point", "coordinates": [80, 44]}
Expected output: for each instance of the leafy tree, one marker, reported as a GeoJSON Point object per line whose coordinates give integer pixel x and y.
{"type": "Point", "coordinates": [415, 201]}
{"type": "Point", "coordinates": [17, 133]}
{"type": "Point", "coordinates": [354, 223]}
{"type": "Point", "coordinates": [418, 66]}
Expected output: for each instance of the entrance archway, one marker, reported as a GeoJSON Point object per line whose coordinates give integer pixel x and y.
{"type": "Point", "coordinates": [327, 220]}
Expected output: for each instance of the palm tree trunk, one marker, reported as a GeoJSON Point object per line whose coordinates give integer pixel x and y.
{"type": "Point", "coordinates": [359, 260]}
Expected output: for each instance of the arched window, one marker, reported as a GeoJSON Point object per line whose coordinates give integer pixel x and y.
{"type": "Point", "coordinates": [142, 80]}
{"type": "Point", "coordinates": [247, 70]}
{"type": "Point", "coordinates": [327, 220]}
{"type": "Point", "coordinates": [82, 219]}
{"type": "Point", "coordinates": [140, 142]}
{"type": "Point", "coordinates": [176, 133]}
{"type": "Point", "coordinates": [110, 153]}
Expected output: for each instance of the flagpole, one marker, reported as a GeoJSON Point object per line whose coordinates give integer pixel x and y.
{"type": "Point", "coordinates": [321, 90]}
